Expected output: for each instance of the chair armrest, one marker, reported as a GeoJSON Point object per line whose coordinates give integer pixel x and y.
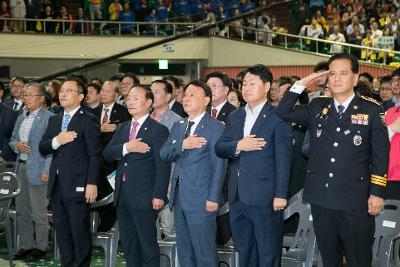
{"type": "Point", "coordinates": [104, 201]}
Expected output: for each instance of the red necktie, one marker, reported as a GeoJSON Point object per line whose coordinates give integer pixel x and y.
{"type": "Point", "coordinates": [214, 113]}
{"type": "Point", "coordinates": [105, 118]}
{"type": "Point", "coordinates": [132, 135]}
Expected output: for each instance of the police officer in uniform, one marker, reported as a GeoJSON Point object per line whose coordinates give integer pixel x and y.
{"type": "Point", "coordinates": [346, 174]}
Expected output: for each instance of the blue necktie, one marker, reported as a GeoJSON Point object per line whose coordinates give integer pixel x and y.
{"type": "Point", "coordinates": [65, 122]}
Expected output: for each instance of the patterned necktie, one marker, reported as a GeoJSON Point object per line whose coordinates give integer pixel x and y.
{"type": "Point", "coordinates": [132, 135]}
{"type": "Point", "coordinates": [340, 111]}
{"type": "Point", "coordinates": [187, 133]}
{"type": "Point", "coordinates": [214, 113]}
{"type": "Point", "coordinates": [65, 122]}
{"type": "Point", "coordinates": [105, 118]}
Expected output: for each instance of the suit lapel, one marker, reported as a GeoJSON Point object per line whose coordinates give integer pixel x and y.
{"type": "Point", "coordinates": [222, 113]}
{"type": "Point", "coordinates": [262, 117]}
{"type": "Point", "coordinates": [144, 128]}
{"type": "Point", "coordinates": [58, 121]}
{"type": "Point", "coordinates": [114, 114]}
{"type": "Point", "coordinates": [75, 119]}
{"type": "Point", "coordinates": [241, 119]}
{"type": "Point", "coordinates": [202, 125]}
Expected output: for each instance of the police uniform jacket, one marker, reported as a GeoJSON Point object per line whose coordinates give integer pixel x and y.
{"type": "Point", "coordinates": [348, 156]}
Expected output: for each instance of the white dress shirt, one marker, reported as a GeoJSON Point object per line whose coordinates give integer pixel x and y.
{"type": "Point", "coordinates": [196, 122]}
{"type": "Point", "coordinates": [218, 108]}
{"type": "Point", "coordinates": [110, 107]}
{"type": "Point", "coordinates": [251, 117]}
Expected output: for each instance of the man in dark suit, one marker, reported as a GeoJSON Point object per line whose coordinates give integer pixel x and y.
{"type": "Point", "coordinates": [197, 179]}
{"type": "Point", "coordinates": [141, 180]}
{"type": "Point", "coordinates": [109, 114]}
{"type": "Point", "coordinates": [73, 137]}
{"type": "Point", "coordinates": [395, 100]}
{"type": "Point", "coordinates": [7, 121]}
{"type": "Point", "coordinates": [220, 84]}
{"type": "Point", "coordinates": [174, 105]}
{"type": "Point", "coordinates": [92, 99]}
{"type": "Point", "coordinates": [346, 174]}
{"type": "Point", "coordinates": [128, 81]}
{"type": "Point", "coordinates": [259, 146]}
{"type": "Point", "coordinates": [16, 86]}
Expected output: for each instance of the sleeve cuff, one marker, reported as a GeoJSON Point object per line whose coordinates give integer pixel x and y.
{"type": "Point", "coordinates": [297, 88]}
{"type": "Point", "coordinates": [124, 150]}
{"type": "Point", "coordinates": [54, 143]}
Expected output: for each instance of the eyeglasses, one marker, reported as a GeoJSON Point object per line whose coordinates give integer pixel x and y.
{"type": "Point", "coordinates": [395, 80]}
{"type": "Point", "coordinates": [29, 95]}
{"type": "Point", "coordinates": [67, 91]}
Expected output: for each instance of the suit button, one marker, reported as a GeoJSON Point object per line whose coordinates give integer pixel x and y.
{"type": "Point", "coordinates": [331, 175]}
{"type": "Point", "coordinates": [335, 144]}
{"type": "Point", "coordinates": [125, 164]}
{"type": "Point", "coordinates": [332, 160]}
{"type": "Point", "coordinates": [338, 129]}
{"type": "Point", "coordinates": [326, 185]}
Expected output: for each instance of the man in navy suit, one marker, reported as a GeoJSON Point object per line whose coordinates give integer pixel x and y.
{"type": "Point", "coordinates": [73, 137]}
{"type": "Point", "coordinates": [259, 146]}
{"type": "Point", "coordinates": [197, 179]}
{"type": "Point", "coordinates": [141, 180]}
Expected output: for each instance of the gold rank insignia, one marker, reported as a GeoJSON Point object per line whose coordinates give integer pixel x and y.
{"type": "Point", "coordinates": [371, 100]}
{"type": "Point", "coordinates": [325, 111]}
{"type": "Point", "coordinates": [379, 180]}
{"type": "Point", "coordinates": [382, 116]}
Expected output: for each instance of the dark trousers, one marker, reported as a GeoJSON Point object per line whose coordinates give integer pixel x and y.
{"type": "Point", "coordinates": [71, 218]}
{"type": "Point", "coordinates": [195, 236]}
{"type": "Point", "coordinates": [257, 234]}
{"type": "Point", "coordinates": [348, 233]}
{"type": "Point", "coordinates": [138, 233]}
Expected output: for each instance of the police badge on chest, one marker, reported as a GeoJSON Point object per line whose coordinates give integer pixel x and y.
{"type": "Point", "coordinates": [357, 140]}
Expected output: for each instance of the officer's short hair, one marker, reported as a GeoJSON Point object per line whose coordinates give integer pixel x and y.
{"type": "Point", "coordinates": [226, 81]}
{"type": "Point", "coordinates": [321, 66]}
{"type": "Point", "coordinates": [261, 71]}
{"type": "Point", "coordinates": [148, 93]}
{"type": "Point", "coordinates": [353, 60]}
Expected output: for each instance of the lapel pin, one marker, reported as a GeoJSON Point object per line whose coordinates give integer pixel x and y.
{"type": "Point", "coordinates": [145, 129]}
{"type": "Point", "coordinates": [224, 114]}
{"type": "Point", "coordinates": [180, 121]}
{"type": "Point", "coordinates": [355, 107]}
{"type": "Point", "coordinates": [81, 112]}
{"type": "Point", "coordinates": [264, 116]}
{"type": "Point", "coordinates": [329, 106]}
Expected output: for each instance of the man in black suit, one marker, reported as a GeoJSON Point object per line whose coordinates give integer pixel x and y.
{"type": "Point", "coordinates": [141, 180]}
{"type": "Point", "coordinates": [109, 114]}
{"type": "Point", "coordinates": [73, 137]}
{"type": "Point", "coordinates": [7, 121]}
{"type": "Point", "coordinates": [128, 81]}
{"type": "Point", "coordinates": [174, 105]}
{"type": "Point", "coordinates": [220, 84]}
{"type": "Point", "coordinates": [16, 86]}
{"type": "Point", "coordinates": [92, 98]}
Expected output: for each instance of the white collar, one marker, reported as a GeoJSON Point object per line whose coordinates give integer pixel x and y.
{"type": "Point", "coordinates": [345, 104]}
{"type": "Point", "coordinates": [110, 107]}
{"type": "Point", "coordinates": [198, 118]}
{"type": "Point", "coordinates": [256, 110]}
{"type": "Point", "coordinates": [219, 107]}
{"type": "Point", "coordinates": [141, 120]}
{"type": "Point", "coordinates": [72, 113]}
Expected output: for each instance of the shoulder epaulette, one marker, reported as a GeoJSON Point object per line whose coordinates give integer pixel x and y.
{"type": "Point", "coordinates": [371, 100]}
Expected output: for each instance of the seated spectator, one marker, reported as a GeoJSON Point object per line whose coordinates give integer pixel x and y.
{"type": "Point", "coordinates": [152, 17]}
{"type": "Point", "coordinates": [64, 27]}
{"type": "Point", "coordinates": [350, 28]}
{"type": "Point", "coordinates": [366, 54]}
{"type": "Point", "coordinates": [126, 16]}
{"type": "Point", "coordinates": [81, 27]}
{"type": "Point", "coordinates": [376, 32]}
{"type": "Point", "coordinates": [113, 10]}
{"type": "Point", "coordinates": [235, 98]}
{"type": "Point", "coordinates": [344, 21]}
{"type": "Point", "coordinates": [314, 30]}
{"type": "Point", "coordinates": [336, 36]}
{"type": "Point", "coordinates": [4, 13]}
{"type": "Point", "coordinates": [221, 15]}
{"type": "Point", "coordinates": [385, 88]}
{"type": "Point", "coordinates": [48, 16]}
{"type": "Point", "coordinates": [393, 26]}
{"type": "Point", "coordinates": [250, 22]}
{"type": "Point", "coordinates": [162, 11]}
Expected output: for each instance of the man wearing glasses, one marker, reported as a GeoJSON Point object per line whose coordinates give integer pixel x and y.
{"type": "Point", "coordinates": [395, 100]}
{"type": "Point", "coordinates": [15, 101]}
{"type": "Point", "coordinates": [33, 170]}
{"type": "Point", "coordinates": [73, 138]}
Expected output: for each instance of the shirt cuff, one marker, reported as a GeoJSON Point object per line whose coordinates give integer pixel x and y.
{"type": "Point", "coordinates": [55, 144]}
{"type": "Point", "coordinates": [297, 88]}
{"type": "Point", "coordinates": [124, 150]}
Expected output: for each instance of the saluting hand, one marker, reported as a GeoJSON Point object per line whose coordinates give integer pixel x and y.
{"type": "Point", "coordinates": [193, 141]}
{"type": "Point", "coordinates": [91, 193]}
{"type": "Point", "coordinates": [306, 81]}
{"type": "Point", "coordinates": [136, 145]}
{"type": "Point", "coordinates": [250, 143]}
{"type": "Point", "coordinates": [65, 137]}
{"type": "Point", "coordinates": [375, 205]}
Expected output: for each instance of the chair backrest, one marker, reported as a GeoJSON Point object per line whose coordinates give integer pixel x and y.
{"type": "Point", "coordinates": [305, 232]}
{"type": "Point", "coordinates": [10, 187]}
{"type": "Point", "coordinates": [94, 215]}
{"type": "Point", "coordinates": [387, 226]}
